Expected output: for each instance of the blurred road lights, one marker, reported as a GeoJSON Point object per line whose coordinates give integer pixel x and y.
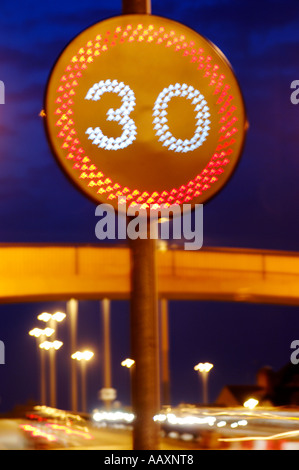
{"type": "Point", "coordinates": [51, 345]}
{"type": "Point", "coordinates": [203, 367]}
{"type": "Point", "coordinates": [220, 424]}
{"type": "Point", "coordinates": [38, 332]}
{"type": "Point", "coordinates": [58, 316]}
{"type": "Point", "coordinates": [82, 356]}
{"type": "Point", "coordinates": [250, 403]}
{"type": "Point", "coordinates": [113, 416]}
{"type": "Point", "coordinates": [128, 363]}
{"type": "Point", "coordinates": [46, 317]}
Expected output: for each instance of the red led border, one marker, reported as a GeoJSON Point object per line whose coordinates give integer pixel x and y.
{"type": "Point", "coordinates": [102, 184]}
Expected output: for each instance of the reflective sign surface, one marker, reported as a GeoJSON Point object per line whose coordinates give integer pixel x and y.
{"type": "Point", "coordinates": [143, 107]}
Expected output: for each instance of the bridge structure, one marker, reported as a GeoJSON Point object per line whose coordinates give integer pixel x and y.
{"type": "Point", "coordinates": [38, 272]}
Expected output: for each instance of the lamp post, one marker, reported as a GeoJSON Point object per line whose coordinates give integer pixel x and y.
{"type": "Point", "coordinates": [204, 369]}
{"type": "Point", "coordinates": [129, 363]}
{"type": "Point", "coordinates": [52, 319]}
{"type": "Point", "coordinates": [83, 357]}
{"type": "Point", "coordinates": [105, 304]}
{"type": "Point", "coordinates": [52, 347]}
{"type": "Point", "coordinates": [40, 335]}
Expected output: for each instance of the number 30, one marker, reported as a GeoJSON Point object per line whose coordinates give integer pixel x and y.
{"type": "Point", "coordinates": [129, 130]}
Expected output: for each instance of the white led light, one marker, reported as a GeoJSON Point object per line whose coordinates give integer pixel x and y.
{"type": "Point", "coordinates": [220, 424]}
{"type": "Point", "coordinates": [160, 118]}
{"type": "Point", "coordinates": [160, 121]}
{"type": "Point", "coordinates": [242, 422]}
{"type": "Point", "coordinates": [113, 416]}
{"type": "Point", "coordinates": [187, 420]}
{"type": "Point", "coordinates": [120, 115]}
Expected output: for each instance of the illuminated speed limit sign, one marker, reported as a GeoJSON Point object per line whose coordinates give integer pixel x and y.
{"type": "Point", "coordinates": [143, 107]}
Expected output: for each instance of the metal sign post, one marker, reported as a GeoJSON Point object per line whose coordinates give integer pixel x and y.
{"type": "Point", "coordinates": [136, 6]}
{"type": "Point", "coordinates": [144, 321]}
{"type": "Point", "coordinates": [72, 309]}
{"type": "Point", "coordinates": [144, 344]}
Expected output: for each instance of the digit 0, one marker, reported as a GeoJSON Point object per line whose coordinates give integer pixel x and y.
{"type": "Point", "coordinates": [202, 116]}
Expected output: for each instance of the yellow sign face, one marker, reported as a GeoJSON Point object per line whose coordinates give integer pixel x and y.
{"type": "Point", "coordinates": [143, 108]}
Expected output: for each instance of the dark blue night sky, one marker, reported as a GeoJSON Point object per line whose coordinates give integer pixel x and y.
{"type": "Point", "coordinates": [257, 209]}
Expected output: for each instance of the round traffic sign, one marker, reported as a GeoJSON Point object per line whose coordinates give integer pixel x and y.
{"type": "Point", "coordinates": [144, 108]}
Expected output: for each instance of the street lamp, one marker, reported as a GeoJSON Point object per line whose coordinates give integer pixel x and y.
{"type": "Point", "coordinates": [251, 403]}
{"type": "Point", "coordinates": [51, 318]}
{"type": "Point", "coordinates": [83, 357]}
{"type": "Point", "coordinates": [204, 369]}
{"type": "Point", "coordinates": [38, 332]}
{"type": "Point", "coordinates": [40, 335]}
{"type": "Point", "coordinates": [57, 316]}
{"type": "Point", "coordinates": [52, 346]}
{"type": "Point", "coordinates": [128, 363]}
{"type": "Point", "coordinates": [45, 317]}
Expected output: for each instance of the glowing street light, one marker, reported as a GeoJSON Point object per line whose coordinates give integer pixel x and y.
{"type": "Point", "coordinates": [251, 403]}
{"type": "Point", "coordinates": [52, 346]}
{"type": "Point", "coordinates": [83, 357]}
{"type": "Point", "coordinates": [128, 363]}
{"type": "Point", "coordinates": [52, 319]}
{"type": "Point", "coordinates": [38, 332]}
{"type": "Point", "coordinates": [58, 316]}
{"type": "Point", "coordinates": [204, 369]}
{"type": "Point", "coordinates": [46, 317]}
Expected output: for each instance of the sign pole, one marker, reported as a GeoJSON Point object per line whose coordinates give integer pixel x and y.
{"type": "Point", "coordinates": [72, 309]}
{"type": "Point", "coordinates": [144, 320]}
{"type": "Point", "coordinates": [164, 351]}
{"type": "Point", "coordinates": [140, 7]}
{"type": "Point", "coordinates": [144, 344]}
